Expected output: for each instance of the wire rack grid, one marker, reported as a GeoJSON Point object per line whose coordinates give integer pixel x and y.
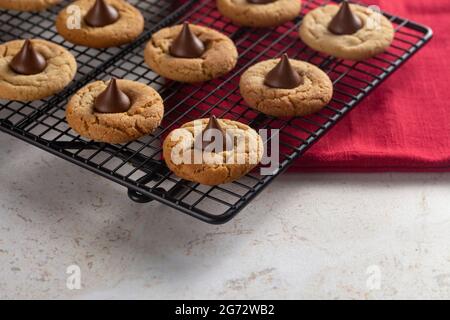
{"type": "Point", "coordinates": [138, 165]}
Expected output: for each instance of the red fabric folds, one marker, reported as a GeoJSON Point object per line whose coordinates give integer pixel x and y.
{"type": "Point", "coordinates": [404, 125]}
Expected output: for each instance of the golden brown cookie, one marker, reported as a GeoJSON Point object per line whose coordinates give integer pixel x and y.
{"type": "Point", "coordinates": [373, 38]}
{"type": "Point", "coordinates": [272, 14]}
{"type": "Point", "coordinates": [27, 5]}
{"type": "Point", "coordinates": [143, 117]}
{"type": "Point", "coordinates": [213, 168]}
{"type": "Point", "coordinates": [312, 95]}
{"type": "Point", "coordinates": [59, 72]}
{"type": "Point", "coordinates": [219, 58]}
{"type": "Point", "coordinates": [126, 29]}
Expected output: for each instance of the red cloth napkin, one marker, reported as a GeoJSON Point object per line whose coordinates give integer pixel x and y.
{"type": "Point", "coordinates": [404, 125]}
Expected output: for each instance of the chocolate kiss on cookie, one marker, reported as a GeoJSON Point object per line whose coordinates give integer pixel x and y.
{"type": "Point", "coordinates": [260, 1]}
{"type": "Point", "coordinates": [112, 100]}
{"type": "Point", "coordinates": [345, 22]}
{"type": "Point", "coordinates": [283, 76]}
{"type": "Point", "coordinates": [101, 14]}
{"type": "Point", "coordinates": [187, 44]}
{"type": "Point", "coordinates": [28, 61]}
{"type": "Point", "coordinates": [209, 135]}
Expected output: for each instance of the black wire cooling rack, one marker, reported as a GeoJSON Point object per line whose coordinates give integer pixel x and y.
{"type": "Point", "coordinates": [138, 165]}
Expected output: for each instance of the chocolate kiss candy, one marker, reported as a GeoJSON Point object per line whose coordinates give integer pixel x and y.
{"type": "Point", "coordinates": [101, 14]}
{"type": "Point", "coordinates": [261, 1]}
{"type": "Point", "coordinates": [112, 100]}
{"type": "Point", "coordinates": [283, 76]}
{"type": "Point", "coordinates": [345, 22]}
{"type": "Point", "coordinates": [28, 61]}
{"type": "Point", "coordinates": [207, 137]}
{"type": "Point", "coordinates": [187, 44]}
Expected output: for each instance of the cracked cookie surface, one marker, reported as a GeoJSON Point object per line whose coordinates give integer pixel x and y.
{"type": "Point", "coordinates": [27, 5]}
{"type": "Point", "coordinates": [243, 13]}
{"type": "Point", "coordinates": [60, 70]}
{"type": "Point", "coordinates": [214, 170]}
{"type": "Point", "coordinates": [219, 58]}
{"type": "Point", "coordinates": [309, 97]}
{"type": "Point", "coordinates": [127, 28]}
{"type": "Point", "coordinates": [372, 39]}
{"type": "Point", "coordinates": [143, 117]}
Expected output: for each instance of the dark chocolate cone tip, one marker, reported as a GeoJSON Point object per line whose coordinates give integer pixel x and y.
{"type": "Point", "coordinates": [345, 21]}
{"type": "Point", "coordinates": [206, 138]}
{"type": "Point", "coordinates": [112, 99]}
{"type": "Point", "coordinates": [28, 61]}
{"type": "Point", "coordinates": [187, 44]}
{"type": "Point", "coordinates": [101, 14]}
{"type": "Point", "coordinates": [283, 75]}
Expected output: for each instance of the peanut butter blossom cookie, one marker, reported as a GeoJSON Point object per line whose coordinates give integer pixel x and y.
{"type": "Point", "coordinates": [347, 31]}
{"type": "Point", "coordinates": [212, 151]}
{"type": "Point", "coordinates": [115, 112]}
{"type": "Point", "coordinates": [27, 5]}
{"type": "Point", "coordinates": [34, 69]}
{"type": "Point", "coordinates": [259, 13]}
{"type": "Point", "coordinates": [103, 23]}
{"type": "Point", "coordinates": [190, 53]}
{"type": "Point", "coordinates": [286, 87]}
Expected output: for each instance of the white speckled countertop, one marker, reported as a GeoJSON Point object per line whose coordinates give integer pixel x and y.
{"type": "Point", "coordinates": [308, 236]}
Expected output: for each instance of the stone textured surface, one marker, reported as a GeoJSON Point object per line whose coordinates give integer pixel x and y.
{"type": "Point", "coordinates": [60, 70]}
{"type": "Point", "coordinates": [372, 39]}
{"type": "Point", "coordinates": [219, 58]}
{"type": "Point", "coordinates": [243, 13]}
{"type": "Point", "coordinates": [27, 5]}
{"type": "Point", "coordinates": [143, 117]}
{"type": "Point", "coordinates": [311, 96]}
{"type": "Point", "coordinates": [127, 28]}
{"type": "Point", "coordinates": [306, 236]}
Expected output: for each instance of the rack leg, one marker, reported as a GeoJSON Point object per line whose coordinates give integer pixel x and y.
{"type": "Point", "coordinates": [138, 197]}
